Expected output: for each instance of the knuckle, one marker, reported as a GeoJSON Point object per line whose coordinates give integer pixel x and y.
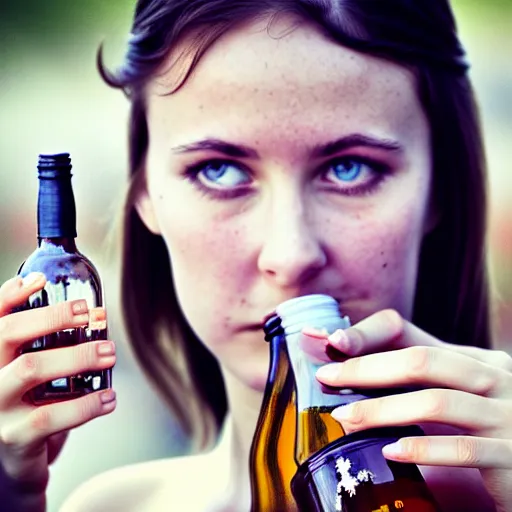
{"type": "Point", "coordinates": [394, 323]}
{"type": "Point", "coordinates": [28, 368]}
{"type": "Point", "coordinates": [87, 408]}
{"type": "Point", "coordinates": [89, 353]}
{"type": "Point", "coordinates": [357, 339]}
{"type": "Point", "coordinates": [84, 356]}
{"type": "Point", "coordinates": [40, 420]}
{"type": "Point", "coordinates": [59, 317]}
{"type": "Point", "coordinates": [419, 362]}
{"type": "Point", "coordinates": [436, 403]}
{"type": "Point", "coordinates": [488, 383]}
{"type": "Point", "coordinates": [358, 413]}
{"type": "Point", "coordinates": [417, 449]}
{"type": "Point", "coordinates": [467, 450]}
{"type": "Point", "coordinates": [7, 436]}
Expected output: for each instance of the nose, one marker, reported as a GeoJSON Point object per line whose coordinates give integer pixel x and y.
{"type": "Point", "coordinates": [292, 253]}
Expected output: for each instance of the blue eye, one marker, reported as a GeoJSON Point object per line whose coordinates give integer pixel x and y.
{"type": "Point", "coordinates": [355, 176]}
{"type": "Point", "coordinates": [348, 170]}
{"type": "Point", "coordinates": [222, 174]}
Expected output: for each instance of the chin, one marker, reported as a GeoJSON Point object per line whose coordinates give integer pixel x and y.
{"type": "Point", "coordinates": [253, 376]}
{"type": "Point", "coordinates": [249, 370]}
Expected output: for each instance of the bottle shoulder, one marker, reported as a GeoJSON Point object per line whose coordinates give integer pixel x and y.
{"type": "Point", "coordinates": [69, 276]}
{"type": "Point", "coordinates": [55, 262]}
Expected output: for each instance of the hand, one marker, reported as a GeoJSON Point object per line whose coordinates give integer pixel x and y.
{"type": "Point", "coordinates": [32, 436]}
{"type": "Point", "coordinates": [465, 387]}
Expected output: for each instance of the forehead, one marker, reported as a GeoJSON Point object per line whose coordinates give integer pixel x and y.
{"type": "Point", "coordinates": [286, 75]}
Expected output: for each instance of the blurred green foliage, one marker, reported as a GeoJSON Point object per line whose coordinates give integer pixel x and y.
{"type": "Point", "coordinates": [35, 26]}
{"type": "Point", "coordinates": [53, 18]}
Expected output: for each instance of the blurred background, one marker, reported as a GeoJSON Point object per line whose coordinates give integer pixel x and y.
{"type": "Point", "coordinates": [52, 100]}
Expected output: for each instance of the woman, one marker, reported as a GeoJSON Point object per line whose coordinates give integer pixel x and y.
{"type": "Point", "coordinates": [277, 149]}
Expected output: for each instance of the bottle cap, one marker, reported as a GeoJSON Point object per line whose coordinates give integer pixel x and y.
{"type": "Point", "coordinates": [54, 166]}
{"type": "Point", "coordinates": [315, 310]}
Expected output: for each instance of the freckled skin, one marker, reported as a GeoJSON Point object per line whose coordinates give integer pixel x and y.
{"type": "Point", "coordinates": [234, 260]}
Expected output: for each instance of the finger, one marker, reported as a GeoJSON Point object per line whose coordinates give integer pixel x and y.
{"type": "Point", "coordinates": [387, 330]}
{"type": "Point", "coordinates": [19, 328]}
{"type": "Point", "coordinates": [413, 366]}
{"type": "Point", "coordinates": [16, 291]}
{"type": "Point", "coordinates": [47, 420]}
{"type": "Point", "coordinates": [460, 451]}
{"type": "Point", "coordinates": [34, 368]}
{"type": "Point", "coordinates": [471, 412]}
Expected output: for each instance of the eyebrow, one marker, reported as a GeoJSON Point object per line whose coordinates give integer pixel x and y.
{"type": "Point", "coordinates": [220, 146]}
{"type": "Point", "coordinates": [318, 151]}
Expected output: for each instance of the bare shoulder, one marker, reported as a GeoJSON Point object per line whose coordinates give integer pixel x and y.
{"type": "Point", "coordinates": [154, 486]}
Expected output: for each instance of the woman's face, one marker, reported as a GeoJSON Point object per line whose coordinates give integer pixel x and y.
{"type": "Point", "coordinates": [285, 166]}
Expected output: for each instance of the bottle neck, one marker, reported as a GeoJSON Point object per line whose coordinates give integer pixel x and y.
{"type": "Point", "coordinates": [272, 462]}
{"type": "Point", "coordinates": [56, 211]}
{"type": "Point", "coordinates": [320, 312]}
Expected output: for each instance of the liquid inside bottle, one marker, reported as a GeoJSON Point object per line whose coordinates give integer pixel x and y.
{"type": "Point", "coordinates": [69, 276]}
{"type": "Point", "coordinates": [316, 429]}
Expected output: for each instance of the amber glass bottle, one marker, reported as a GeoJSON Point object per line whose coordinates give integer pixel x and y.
{"type": "Point", "coordinates": [341, 472]}
{"type": "Point", "coordinates": [69, 276]}
{"type": "Point", "coordinates": [272, 462]}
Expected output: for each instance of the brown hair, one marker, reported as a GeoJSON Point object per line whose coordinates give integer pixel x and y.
{"type": "Point", "coordinates": [452, 293]}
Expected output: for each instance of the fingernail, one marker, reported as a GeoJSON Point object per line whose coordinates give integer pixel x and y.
{"type": "Point", "coordinates": [328, 372]}
{"type": "Point", "coordinates": [339, 340]}
{"type": "Point", "coordinates": [342, 413]}
{"type": "Point", "coordinates": [106, 348]}
{"type": "Point", "coordinates": [108, 396]}
{"type": "Point", "coordinates": [393, 449]}
{"type": "Point", "coordinates": [79, 307]}
{"type": "Point", "coordinates": [97, 319]}
{"type": "Point", "coordinates": [31, 279]}
{"type": "Point", "coordinates": [97, 314]}
{"type": "Point", "coordinates": [314, 332]}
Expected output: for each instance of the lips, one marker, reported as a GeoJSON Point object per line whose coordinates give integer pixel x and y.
{"type": "Point", "coordinates": [258, 326]}
{"type": "Point", "coordinates": [267, 317]}
{"type": "Point", "coordinates": [272, 313]}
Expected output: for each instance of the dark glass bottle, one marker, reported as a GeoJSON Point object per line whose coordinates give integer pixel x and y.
{"type": "Point", "coordinates": [352, 475]}
{"type": "Point", "coordinates": [69, 276]}
{"type": "Point", "coordinates": [272, 463]}
{"type": "Point", "coordinates": [337, 471]}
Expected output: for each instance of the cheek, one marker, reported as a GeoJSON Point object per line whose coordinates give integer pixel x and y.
{"type": "Point", "coordinates": [378, 257]}
{"type": "Point", "coordinates": [205, 254]}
